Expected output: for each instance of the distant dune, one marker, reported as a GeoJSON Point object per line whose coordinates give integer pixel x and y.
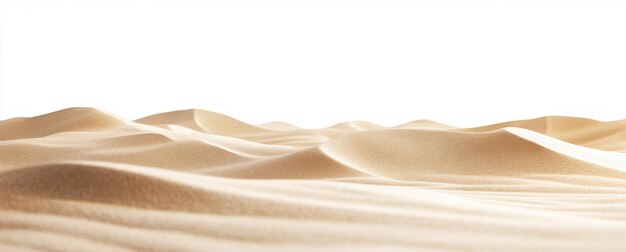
{"type": "Point", "coordinates": [81, 179]}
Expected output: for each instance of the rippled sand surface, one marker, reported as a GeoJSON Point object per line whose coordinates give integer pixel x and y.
{"type": "Point", "coordinates": [85, 180]}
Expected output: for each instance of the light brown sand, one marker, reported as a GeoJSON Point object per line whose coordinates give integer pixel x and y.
{"type": "Point", "coordinates": [84, 180]}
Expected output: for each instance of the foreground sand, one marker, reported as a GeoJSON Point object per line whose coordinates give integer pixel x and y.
{"type": "Point", "coordinates": [84, 180]}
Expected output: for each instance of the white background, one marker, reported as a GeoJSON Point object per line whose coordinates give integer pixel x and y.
{"type": "Point", "coordinates": [314, 64]}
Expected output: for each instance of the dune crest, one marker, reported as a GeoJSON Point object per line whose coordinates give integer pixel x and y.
{"type": "Point", "coordinates": [200, 120]}
{"type": "Point", "coordinates": [71, 119]}
{"type": "Point", "coordinates": [194, 180]}
{"type": "Point", "coordinates": [580, 131]}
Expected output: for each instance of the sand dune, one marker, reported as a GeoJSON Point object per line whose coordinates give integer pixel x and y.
{"type": "Point", "coordinates": [580, 131]}
{"type": "Point", "coordinates": [81, 179]}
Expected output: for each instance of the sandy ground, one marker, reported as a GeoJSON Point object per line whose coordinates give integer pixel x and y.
{"type": "Point", "coordinates": [82, 179]}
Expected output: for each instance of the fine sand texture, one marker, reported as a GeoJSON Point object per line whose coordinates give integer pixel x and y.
{"type": "Point", "coordinates": [81, 179]}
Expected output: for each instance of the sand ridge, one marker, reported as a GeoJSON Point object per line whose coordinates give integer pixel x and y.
{"type": "Point", "coordinates": [193, 180]}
